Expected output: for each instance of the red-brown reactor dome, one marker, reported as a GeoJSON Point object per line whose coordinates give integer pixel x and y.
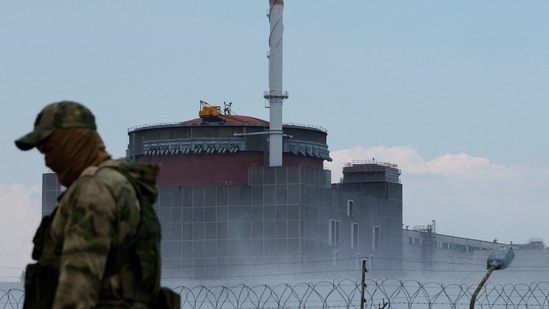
{"type": "Point", "coordinates": [217, 151]}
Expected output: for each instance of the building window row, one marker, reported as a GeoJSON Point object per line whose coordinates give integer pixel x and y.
{"type": "Point", "coordinates": [334, 231]}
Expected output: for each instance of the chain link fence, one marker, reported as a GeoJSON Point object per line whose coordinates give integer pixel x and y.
{"type": "Point", "coordinates": [388, 293]}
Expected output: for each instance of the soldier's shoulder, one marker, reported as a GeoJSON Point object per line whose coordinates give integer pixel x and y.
{"type": "Point", "coordinates": [106, 173]}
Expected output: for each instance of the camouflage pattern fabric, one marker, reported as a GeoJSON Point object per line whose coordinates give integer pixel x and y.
{"type": "Point", "coordinates": [100, 213]}
{"type": "Point", "coordinates": [64, 114]}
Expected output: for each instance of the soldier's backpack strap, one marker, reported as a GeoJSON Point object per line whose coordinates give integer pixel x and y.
{"type": "Point", "coordinates": [145, 247]}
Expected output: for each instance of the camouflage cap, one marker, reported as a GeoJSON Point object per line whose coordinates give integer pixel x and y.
{"type": "Point", "coordinates": [65, 114]}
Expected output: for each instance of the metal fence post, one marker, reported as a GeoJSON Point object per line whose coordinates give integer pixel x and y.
{"type": "Point", "coordinates": [363, 284]}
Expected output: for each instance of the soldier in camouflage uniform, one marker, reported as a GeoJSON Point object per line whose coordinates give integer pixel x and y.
{"type": "Point", "coordinates": [103, 241]}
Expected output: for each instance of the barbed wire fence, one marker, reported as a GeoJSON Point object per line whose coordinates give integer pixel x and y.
{"type": "Point", "coordinates": [387, 293]}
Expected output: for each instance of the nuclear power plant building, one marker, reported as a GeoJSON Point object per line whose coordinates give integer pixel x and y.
{"type": "Point", "coordinates": [222, 206]}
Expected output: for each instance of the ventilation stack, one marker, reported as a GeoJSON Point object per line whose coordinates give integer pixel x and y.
{"type": "Point", "coordinates": [275, 95]}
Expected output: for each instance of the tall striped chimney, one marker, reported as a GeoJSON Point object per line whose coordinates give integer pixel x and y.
{"type": "Point", "coordinates": [275, 95]}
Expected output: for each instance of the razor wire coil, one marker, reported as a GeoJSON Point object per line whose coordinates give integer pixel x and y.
{"type": "Point", "coordinates": [398, 294]}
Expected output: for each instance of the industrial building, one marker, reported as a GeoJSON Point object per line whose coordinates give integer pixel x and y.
{"type": "Point", "coordinates": [222, 206]}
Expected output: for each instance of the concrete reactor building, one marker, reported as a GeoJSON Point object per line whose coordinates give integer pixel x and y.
{"type": "Point", "coordinates": [221, 203]}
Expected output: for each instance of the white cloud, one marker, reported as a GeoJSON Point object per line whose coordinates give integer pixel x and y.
{"type": "Point", "coordinates": [468, 196]}
{"type": "Point", "coordinates": [21, 214]}
{"type": "Point", "coordinates": [410, 162]}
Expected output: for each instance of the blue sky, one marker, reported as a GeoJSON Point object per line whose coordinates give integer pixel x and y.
{"type": "Point", "coordinates": [454, 92]}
